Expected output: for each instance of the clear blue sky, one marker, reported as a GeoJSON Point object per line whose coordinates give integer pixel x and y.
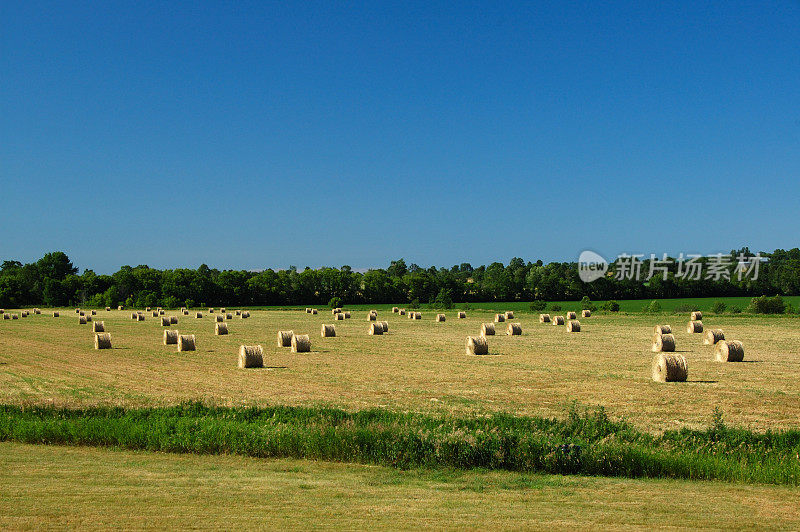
{"type": "Point", "coordinates": [252, 135]}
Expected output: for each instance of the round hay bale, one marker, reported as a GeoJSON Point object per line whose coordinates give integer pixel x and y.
{"type": "Point", "coordinates": [23, 314]}
{"type": "Point", "coordinates": [93, 313]}
{"type": "Point", "coordinates": [544, 318]}
{"type": "Point", "coordinates": [77, 311]}
{"type": "Point", "coordinates": [514, 329]}
{"type": "Point", "coordinates": [301, 343]}
{"type": "Point", "coordinates": [499, 318]}
{"type": "Point", "coordinates": [586, 313]}
{"type": "Point", "coordinates": [729, 351]}
{"type": "Point", "coordinates": [246, 314]}
{"type": "Point", "coordinates": [6, 316]}
{"type": "Point", "coordinates": [134, 316]}
{"type": "Point", "coordinates": [573, 326]}
{"type": "Point", "coordinates": [328, 331]}
{"type": "Point", "coordinates": [155, 314]}
{"type": "Point", "coordinates": [670, 367]}
{"type": "Point", "coordinates": [418, 315]}
{"type": "Point", "coordinates": [662, 329]}
{"type": "Point", "coordinates": [696, 316]}
{"type": "Point", "coordinates": [335, 311]}
{"type": "Point", "coordinates": [15, 316]}
{"type": "Point", "coordinates": [160, 312]}
{"type": "Point", "coordinates": [55, 314]}
{"type": "Point", "coordinates": [314, 311]}
{"type": "Point", "coordinates": [462, 315]}
{"type": "Point", "coordinates": [411, 315]}
{"type": "Point", "coordinates": [385, 325]}
{"type": "Point", "coordinates": [170, 337]}
{"type": "Point", "coordinates": [98, 326]}
{"type": "Point", "coordinates": [372, 317]}
{"type": "Point", "coordinates": [557, 320]}
{"type": "Point", "coordinates": [308, 310]}
{"type": "Point", "coordinates": [694, 327]}
{"type": "Point", "coordinates": [147, 309]}
{"type": "Point", "coordinates": [477, 345]}
{"type": "Point", "coordinates": [375, 329]}
{"type": "Point", "coordinates": [228, 316]}
{"type": "Point", "coordinates": [120, 307]}
{"type": "Point", "coordinates": [108, 309]}
{"type": "Point", "coordinates": [239, 312]}
{"type": "Point", "coordinates": [37, 311]}
{"type": "Point", "coordinates": [440, 317]}
{"type": "Point", "coordinates": [140, 317]}
{"type": "Point", "coordinates": [223, 310]}
{"type": "Point", "coordinates": [395, 310]}
{"type": "Point", "coordinates": [251, 356]}
{"type": "Point", "coordinates": [102, 340]}
{"type": "Point", "coordinates": [88, 318]}
{"type": "Point", "coordinates": [165, 322]}
{"type": "Point", "coordinates": [509, 315]}
{"type": "Point", "coordinates": [173, 320]}
{"type": "Point", "coordinates": [185, 312]}
{"type": "Point", "coordinates": [346, 314]}
{"type": "Point", "coordinates": [81, 313]}
{"type": "Point", "coordinates": [220, 329]}
{"type": "Point", "coordinates": [487, 329]}
{"type": "Point", "coordinates": [198, 315]}
{"type": "Point", "coordinates": [401, 312]}
{"type": "Point", "coordinates": [339, 316]}
{"type": "Point", "coordinates": [663, 343]}
{"type": "Point", "coordinates": [712, 336]}
{"type": "Point", "coordinates": [285, 338]}
{"type": "Point", "coordinates": [82, 320]}
{"type": "Point", "coordinates": [571, 315]}
{"type": "Point", "coordinates": [186, 342]}
{"type": "Point", "coordinates": [211, 310]}
{"type": "Point", "coordinates": [219, 318]}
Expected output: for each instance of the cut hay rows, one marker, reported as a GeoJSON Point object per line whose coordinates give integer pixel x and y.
{"type": "Point", "coordinates": [729, 351]}
{"type": "Point", "coordinates": [514, 329]}
{"type": "Point", "coordinates": [170, 337]}
{"type": "Point", "coordinates": [440, 318]}
{"type": "Point", "coordinates": [499, 318]}
{"type": "Point", "coordinates": [487, 329]}
{"type": "Point", "coordinates": [186, 342]}
{"type": "Point", "coordinates": [694, 327]}
{"type": "Point", "coordinates": [477, 345]}
{"type": "Point", "coordinates": [572, 316]}
{"type": "Point", "coordinates": [102, 341]}
{"type": "Point", "coordinates": [670, 367]}
{"type": "Point", "coordinates": [198, 314]}
{"type": "Point", "coordinates": [375, 329]}
{"type": "Point", "coordinates": [385, 325]}
{"type": "Point", "coordinates": [712, 336]}
{"type": "Point", "coordinates": [462, 315]}
{"type": "Point", "coordinates": [220, 329]}
{"type": "Point", "coordinates": [219, 318]}
{"type": "Point", "coordinates": [586, 313]}
{"type": "Point", "coordinates": [557, 320]}
{"type": "Point", "coordinates": [662, 329]}
{"type": "Point", "coordinates": [165, 322]}
{"type": "Point", "coordinates": [251, 356]}
{"type": "Point", "coordinates": [339, 317]}
{"type": "Point", "coordinates": [301, 343]}
{"type": "Point", "coordinates": [98, 326]}
{"type": "Point", "coordinates": [285, 338]}
{"type": "Point", "coordinates": [544, 318]}
{"type": "Point", "coordinates": [328, 331]}
{"type": "Point", "coordinates": [696, 316]}
{"type": "Point", "coordinates": [663, 343]}
{"type": "Point", "coordinates": [573, 326]}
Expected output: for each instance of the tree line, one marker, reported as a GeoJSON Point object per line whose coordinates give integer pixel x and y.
{"type": "Point", "coordinates": [54, 281]}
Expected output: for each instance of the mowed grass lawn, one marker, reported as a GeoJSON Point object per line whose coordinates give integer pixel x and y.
{"type": "Point", "coordinates": [417, 366]}
{"type": "Point", "coordinates": [91, 488]}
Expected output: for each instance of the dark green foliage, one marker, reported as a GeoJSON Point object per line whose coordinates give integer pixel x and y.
{"type": "Point", "coordinates": [444, 300]}
{"type": "Point", "coordinates": [736, 310]}
{"type": "Point", "coordinates": [610, 306]}
{"type": "Point", "coordinates": [335, 302]}
{"type": "Point", "coordinates": [653, 307]}
{"type": "Point", "coordinates": [767, 305]}
{"type": "Point", "coordinates": [683, 308]}
{"type": "Point", "coordinates": [555, 307]}
{"type": "Point", "coordinates": [586, 442]}
{"type": "Point", "coordinates": [538, 305]}
{"type": "Point", "coordinates": [718, 307]}
{"type": "Point", "coordinates": [586, 304]}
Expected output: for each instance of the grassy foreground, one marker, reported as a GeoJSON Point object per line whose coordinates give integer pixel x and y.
{"type": "Point", "coordinates": [88, 488]}
{"type": "Point", "coordinates": [587, 443]}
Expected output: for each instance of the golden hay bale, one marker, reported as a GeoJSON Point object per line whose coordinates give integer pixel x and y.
{"type": "Point", "coordinates": [93, 313]}
{"type": "Point", "coordinates": [246, 314]}
{"type": "Point", "coordinates": [220, 329]}
{"type": "Point", "coordinates": [223, 310]}
{"type": "Point", "coordinates": [198, 314]}
{"type": "Point", "coordinates": [37, 311]}
{"type": "Point", "coordinates": [401, 312]}
{"type": "Point", "coordinates": [372, 317]}
{"type": "Point", "coordinates": [88, 318]}
{"type": "Point", "coordinates": [23, 314]}
{"type": "Point", "coordinates": [2, 310]}
{"type": "Point", "coordinates": [219, 318]}
{"type": "Point", "coordinates": [165, 322]}
{"type": "Point", "coordinates": [571, 315]}
{"type": "Point", "coordinates": [662, 329]}
{"type": "Point", "coordinates": [285, 338]}
{"type": "Point", "coordinates": [185, 312]}
{"type": "Point", "coordinates": [239, 312]}
{"type": "Point", "coordinates": [440, 317]}
{"type": "Point", "coordinates": [694, 327]}
{"type": "Point", "coordinates": [418, 315]}
{"type": "Point", "coordinates": [509, 315]}
{"type": "Point", "coordinates": [77, 311]}
{"type": "Point", "coordinates": [108, 309]}
{"type": "Point", "coordinates": [712, 336]}
{"type": "Point", "coordinates": [375, 328]}
{"type": "Point", "coordinates": [14, 316]}
{"type": "Point", "coordinates": [140, 317]}
{"type": "Point", "coordinates": [670, 367]}
{"type": "Point", "coordinates": [155, 314]}
{"type": "Point", "coordinates": [557, 320]}
{"type": "Point", "coordinates": [211, 310]}
{"type": "Point", "coordinates": [385, 325]}
{"type": "Point", "coordinates": [120, 307]}
{"type": "Point", "coordinates": [228, 316]}
{"type": "Point", "coordinates": [82, 320]}
{"type": "Point", "coordinates": [477, 345]}
{"type": "Point", "coordinates": [102, 340]}
{"type": "Point", "coordinates": [55, 314]}
{"type": "Point", "coordinates": [696, 316]}
{"type": "Point", "coordinates": [346, 315]}
{"type": "Point", "coordinates": [81, 313]}
{"type": "Point", "coordinates": [462, 315]}
{"type": "Point", "coordinates": [99, 326]}
{"type": "Point", "coordinates": [6, 316]}
{"type": "Point", "coordinates": [586, 313]}
{"type": "Point", "coordinates": [161, 312]}
{"type": "Point", "coordinates": [395, 310]}
{"type": "Point", "coordinates": [301, 343]}
{"type": "Point", "coordinates": [134, 316]}
{"type": "Point", "coordinates": [338, 317]}
{"type": "Point", "coordinates": [514, 329]}
{"type": "Point", "coordinates": [544, 318]}
{"type": "Point", "coordinates": [335, 310]}
{"type": "Point", "coordinates": [308, 310]}
{"type": "Point", "coordinates": [573, 326]}
{"type": "Point", "coordinates": [251, 356]}
{"type": "Point", "coordinates": [170, 337]}
{"type": "Point", "coordinates": [314, 311]}
{"type": "Point", "coordinates": [147, 309]}
{"type": "Point", "coordinates": [729, 351]}
{"type": "Point", "coordinates": [663, 343]}
{"type": "Point", "coordinates": [186, 342]}
{"type": "Point", "coordinates": [173, 320]}
{"type": "Point", "coordinates": [328, 331]}
{"type": "Point", "coordinates": [499, 318]}
{"type": "Point", "coordinates": [487, 329]}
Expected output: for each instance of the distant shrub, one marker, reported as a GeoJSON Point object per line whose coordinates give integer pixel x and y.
{"type": "Point", "coordinates": [335, 302]}
{"type": "Point", "coordinates": [610, 306]}
{"type": "Point", "coordinates": [767, 305]}
{"type": "Point", "coordinates": [444, 300]}
{"type": "Point", "coordinates": [171, 302]}
{"type": "Point", "coordinates": [414, 303]}
{"type": "Point", "coordinates": [652, 307]}
{"type": "Point", "coordinates": [683, 308]}
{"type": "Point", "coordinates": [538, 305]}
{"type": "Point", "coordinates": [466, 306]}
{"type": "Point", "coordinates": [718, 307]}
{"type": "Point", "coordinates": [736, 310]}
{"type": "Point", "coordinates": [790, 309]}
{"type": "Point", "coordinates": [555, 308]}
{"type": "Point", "coordinates": [586, 304]}
{"type": "Point", "coordinates": [189, 303]}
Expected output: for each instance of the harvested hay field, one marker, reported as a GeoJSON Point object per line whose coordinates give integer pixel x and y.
{"type": "Point", "coordinates": [542, 372]}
